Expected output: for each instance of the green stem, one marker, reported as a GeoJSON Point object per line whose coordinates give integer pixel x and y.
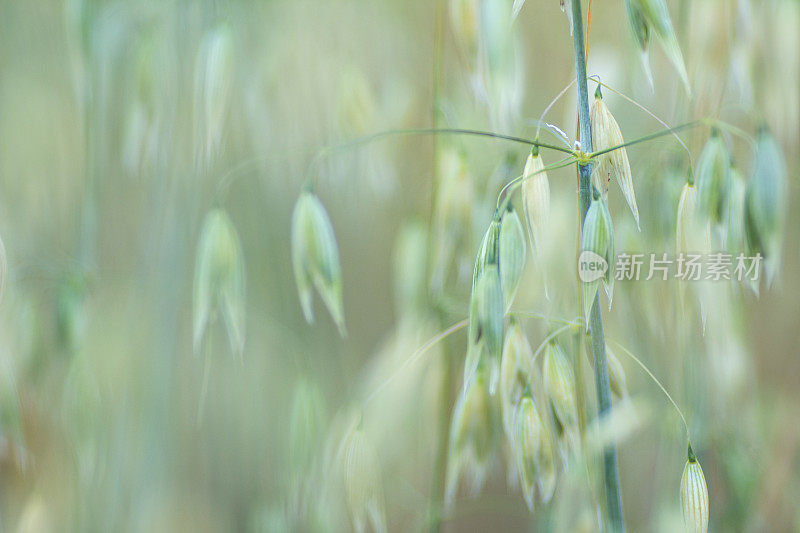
{"type": "Point", "coordinates": [650, 137]}
{"type": "Point", "coordinates": [610, 470]}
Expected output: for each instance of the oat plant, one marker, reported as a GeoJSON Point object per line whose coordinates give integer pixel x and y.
{"type": "Point", "coordinates": [528, 407]}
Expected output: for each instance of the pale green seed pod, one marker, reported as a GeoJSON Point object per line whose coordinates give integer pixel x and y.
{"type": "Point", "coordinates": [606, 134]}
{"type": "Point", "coordinates": [363, 485]}
{"type": "Point", "coordinates": [483, 306]}
{"type": "Point", "coordinates": [688, 223]}
{"type": "Point", "coordinates": [536, 199]}
{"type": "Point", "coordinates": [641, 32]}
{"type": "Point", "coordinates": [765, 203]}
{"type": "Point", "coordinates": [491, 318]}
{"type": "Point", "coordinates": [315, 257]}
{"type": "Point", "coordinates": [559, 383]}
{"type": "Point", "coordinates": [471, 439]}
{"type": "Point", "coordinates": [213, 77]}
{"type": "Point", "coordinates": [219, 280]}
{"type": "Point", "coordinates": [694, 495]}
{"type": "Point", "coordinates": [656, 14]}
{"type": "Point", "coordinates": [528, 445]}
{"type": "Point", "coordinates": [713, 179]}
{"type": "Point", "coordinates": [515, 371]}
{"type": "Point", "coordinates": [490, 248]}
{"type": "Point", "coordinates": [472, 418]}
{"type": "Point", "coordinates": [597, 242]}
{"type": "Point", "coordinates": [512, 254]}
{"type": "Point", "coordinates": [692, 229]}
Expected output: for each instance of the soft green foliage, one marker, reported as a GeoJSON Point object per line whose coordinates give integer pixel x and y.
{"type": "Point", "coordinates": [152, 152]}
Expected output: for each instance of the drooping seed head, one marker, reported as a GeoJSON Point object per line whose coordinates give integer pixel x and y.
{"type": "Point", "coordinates": [536, 199]}
{"type": "Point", "coordinates": [489, 250]}
{"type": "Point", "coordinates": [491, 317]}
{"type": "Point", "coordinates": [612, 165]}
{"type": "Point", "coordinates": [512, 254]}
{"type": "Point", "coordinates": [213, 75]}
{"type": "Point", "coordinates": [692, 231]}
{"type": "Point", "coordinates": [765, 203]}
{"type": "Point", "coordinates": [515, 371]}
{"type": "Point", "coordinates": [528, 446]}
{"type": "Point", "coordinates": [471, 438]}
{"type": "Point", "coordinates": [487, 307]}
{"type": "Point", "coordinates": [641, 32]}
{"type": "Point", "coordinates": [597, 242]}
{"type": "Point", "coordinates": [219, 280]}
{"type": "Point", "coordinates": [315, 257]}
{"type": "Point", "coordinates": [656, 16]}
{"type": "Point", "coordinates": [694, 495]}
{"type": "Point", "coordinates": [559, 382]}
{"type": "Point", "coordinates": [363, 485]}
{"type": "Point", "coordinates": [713, 179]}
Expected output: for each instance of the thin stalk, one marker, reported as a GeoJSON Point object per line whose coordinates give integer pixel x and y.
{"type": "Point", "coordinates": [610, 469]}
{"type": "Point", "coordinates": [657, 382]}
{"type": "Point", "coordinates": [650, 137]}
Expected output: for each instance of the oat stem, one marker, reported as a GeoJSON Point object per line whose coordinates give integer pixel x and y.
{"type": "Point", "coordinates": [610, 470]}
{"type": "Point", "coordinates": [649, 137]}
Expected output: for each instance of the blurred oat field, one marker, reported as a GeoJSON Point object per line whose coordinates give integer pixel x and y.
{"type": "Point", "coordinates": [156, 369]}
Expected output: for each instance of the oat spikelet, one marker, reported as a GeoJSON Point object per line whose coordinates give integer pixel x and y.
{"type": "Point", "coordinates": [694, 495]}
{"type": "Point", "coordinates": [614, 164]}
{"type": "Point", "coordinates": [597, 242]}
{"type": "Point", "coordinates": [765, 203]}
{"type": "Point", "coordinates": [315, 257]}
{"type": "Point", "coordinates": [536, 199]}
{"type": "Point", "coordinates": [219, 281]}
{"type": "Point", "coordinates": [512, 254]}
{"type": "Point", "coordinates": [528, 444]}
{"type": "Point", "coordinates": [559, 382]}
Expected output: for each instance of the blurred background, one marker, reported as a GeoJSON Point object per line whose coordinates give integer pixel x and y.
{"type": "Point", "coordinates": [123, 123]}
